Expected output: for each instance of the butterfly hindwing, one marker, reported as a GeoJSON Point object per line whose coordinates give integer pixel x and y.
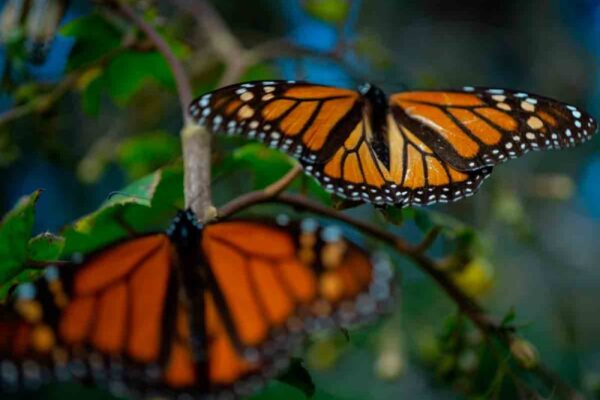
{"type": "Point", "coordinates": [125, 319]}
{"type": "Point", "coordinates": [105, 320]}
{"type": "Point", "coordinates": [415, 148]}
{"type": "Point", "coordinates": [289, 278]}
{"type": "Point", "coordinates": [413, 173]}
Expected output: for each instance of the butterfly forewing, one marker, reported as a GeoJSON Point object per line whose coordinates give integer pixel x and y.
{"type": "Point", "coordinates": [477, 127]}
{"type": "Point", "coordinates": [425, 147]}
{"type": "Point", "coordinates": [103, 320]}
{"type": "Point", "coordinates": [296, 117]}
{"type": "Point", "coordinates": [124, 319]}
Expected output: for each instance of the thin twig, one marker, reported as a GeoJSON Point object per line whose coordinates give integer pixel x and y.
{"type": "Point", "coordinates": [44, 101]}
{"type": "Point", "coordinates": [181, 79]}
{"type": "Point", "coordinates": [195, 140]}
{"type": "Point", "coordinates": [280, 185]}
{"type": "Point", "coordinates": [17, 112]}
{"type": "Point", "coordinates": [429, 239]}
{"type": "Point", "coordinates": [223, 42]}
{"type": "Point", "coordinates": [278, 48]}
{"type": "Point", "coordinates": [243, 201]}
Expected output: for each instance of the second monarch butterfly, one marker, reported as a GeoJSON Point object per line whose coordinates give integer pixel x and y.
{"type": "Point", "coordinates": [197, 312]}
{"type": "Point", "coordinates": [413, 148]}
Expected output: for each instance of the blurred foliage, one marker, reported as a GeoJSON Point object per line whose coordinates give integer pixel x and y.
{"type": "Point", "coordinates": [333, 11]}
{"type": "Point", "coordinates": [125, 73]}
{"type": "Point", "coordinates": [144, 204]}
{"type": "Point", "coordinates": [298, 377]}
{"type": "Point", "coordinates": [475, 278]}
{"type": "Point", "coordinates": [142, 154]}
{"type": "Point", "coordinates": [126, 136]}
{"type": "Point", "coordinates": [15, 232]}
{"type": "Point", "coordinates": [265, 166]}
{"type": "Point", "coordinates": [95, 37]}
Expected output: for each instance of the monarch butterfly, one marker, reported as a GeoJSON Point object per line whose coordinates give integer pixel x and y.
{"type": "Point", "coordinates": [416, 147]}
{"type": "Point", "coordinates": [196, 311]}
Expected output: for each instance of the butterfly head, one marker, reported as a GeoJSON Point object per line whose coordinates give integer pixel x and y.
{"type": "Point", "coordinates": [185, 228]}
{"type": "Point", "coordinates": [374, 94]}
{"type": "Point", "coordinates": [364, 88]}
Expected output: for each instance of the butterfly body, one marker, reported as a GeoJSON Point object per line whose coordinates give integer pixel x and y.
{"type": "Point", "coordinates": [376, 106]}
{"type": "Point", "coordinates": [410, 148]}
{"type": "Point", "coordinates": [185, 233]}
{"type": "Point", "coordinates": [198, 311]}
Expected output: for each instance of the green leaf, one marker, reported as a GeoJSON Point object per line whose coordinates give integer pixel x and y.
{"type": "Point", "coordinates": [321, 395]}
{"type": "Point", "coordinates": [451, 227]}
{"type": "Point", "coordinates": [298, 377]}
{"type": "Point", "coordinates": [259, 72]}
{"type": "Point", "coordinates": [266, 166]}
{"type": "Point", "coordinates": [130, 71]}
{"type": "Point", "coordinates": [424, 220]}
{"type": "Point", "coordinates": [509, 318]}
{"type": "Point", "coordinates": [144, 204]}
{"type": "Point", "coordinates": [25, 275]}
{"type": "Point", "coordinates": [94, 38]}
{"type": "Point", "coordinates": [332, 11]}
{"type": "Point", "coordinates": [142, 154]}
{"type": "Point", "coordinates": [397, 215]}
{"type": "Point", "coordinates": [45, 247]}
{"type": "Point", "coordinates": [92, 94]}
{"type": "Point", "coordinates": [15, 231]}
{"type": "Point", "coordinates": [277, 390]}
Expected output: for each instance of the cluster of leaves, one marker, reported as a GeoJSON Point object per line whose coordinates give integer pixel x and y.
{"type": "Point", "coordinates": [138, 206]}
{"type": "Point", "coordinates": [147, 202]}
{"type": "Point", "coordinates": [18, 248]}
{"type": "Point", "coordinates": [109, 67]}
{"type": "Point", "coordinates": [121, 76]}
{"type": "Point", "coordinates": [477, 366]}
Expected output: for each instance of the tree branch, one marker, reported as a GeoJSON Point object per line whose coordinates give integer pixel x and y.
{"type": "Point", "coordinates": [195, 140]}
{"type": "Point", "coordinates": [243, 201]}
{"type": "Point", "coordinates": [223, 42]}
{"type": "Point", "coordinates": [181, 79]}
{"type": "Point", "coordinates": [416, 253]}
{"type": "Point", "coordinates": [44, 101]}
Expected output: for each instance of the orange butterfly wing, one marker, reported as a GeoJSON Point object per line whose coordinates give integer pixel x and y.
{"type": "Point", "coordinates": [330, 131]}
{"type": "Point", "coordinates": [123, 319]}
{"type": "Point", "coordinates": [102, 320]}
{"type": "Point", "coordinates": [479, 127]}
{"type": "Point", "coordinates": [267, 286]}
{"type": "Point", "coordinates": [419, 147]}
{"type": "Point", "coordinates": [414, 173]}
{"type": "Point", "coordinates": [300, 118]}
{"type": "Point", "coordinates": [274, 284]}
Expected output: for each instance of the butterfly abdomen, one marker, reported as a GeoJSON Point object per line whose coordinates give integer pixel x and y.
{"type": "Point", "coordinates": [377, 108]}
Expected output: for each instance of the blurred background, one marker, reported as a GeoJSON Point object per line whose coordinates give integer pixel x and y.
{"type": "Point", "coordinates": [87, 106]}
